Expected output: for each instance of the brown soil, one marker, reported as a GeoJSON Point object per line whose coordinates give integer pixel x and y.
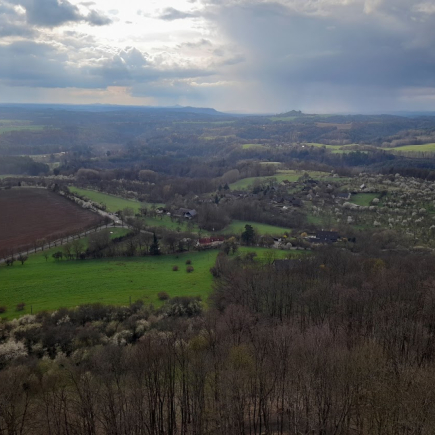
{"type": "Point", "coordinates": [31, 215]}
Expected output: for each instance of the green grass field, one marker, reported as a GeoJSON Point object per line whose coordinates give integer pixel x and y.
{"type": "Point", "coordinates": [11, 127]}
{"type": "Point", "coordinates": [253, 146]}
{"type": "Point", "coordinates": [49, 285]}
{"type": "Point", "coordinates": [426, 148]}
{"type": "Point", "coordinates": [113, 203]}
{"type": "Point", "coordinates": [237, 227]}
{"type": "Point", "coordinates": [363, 199]}
{"type": "Point", "coordinates": [280, 176]}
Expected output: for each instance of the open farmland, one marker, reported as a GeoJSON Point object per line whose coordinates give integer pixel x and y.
{"type": "Point", "coordinates": [426, 148]}
{"type": "Point", "coordinates": [49, 285]}
{"type": "Point", "coordinates": [28, 215]}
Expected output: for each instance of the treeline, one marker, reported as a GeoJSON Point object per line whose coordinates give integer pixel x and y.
{"type": "Point", "coordinates": [152, 186]}
{"type": "Point", "coordinates": [22, 165]}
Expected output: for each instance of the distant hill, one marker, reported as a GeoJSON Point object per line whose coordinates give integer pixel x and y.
{"type": "Point", "coordinates": [296, 113]}
{"type": "Point", "coordinates": [114, 107]}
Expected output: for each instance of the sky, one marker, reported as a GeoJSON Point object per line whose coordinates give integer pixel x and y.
{"type": "Point", "coordinates": [251, 56]}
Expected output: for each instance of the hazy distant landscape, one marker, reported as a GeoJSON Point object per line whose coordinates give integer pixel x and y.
{"type": "Point", "coordinates": [295, 243]}
{"type": "Point", "coordinates": [217, 217]}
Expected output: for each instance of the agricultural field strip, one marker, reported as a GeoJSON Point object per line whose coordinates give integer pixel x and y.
{"type": "Point", "coordinates": [32, 214]}
{"type": "Point", "coordinates": [426, 148]}
{"type": "Point", "coordinates": [280, 176]}
{"type": "Point", "coordinates": [49, 285]}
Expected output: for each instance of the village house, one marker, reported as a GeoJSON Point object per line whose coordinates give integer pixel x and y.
{"type": "Point", "coordinates": [186, 213]}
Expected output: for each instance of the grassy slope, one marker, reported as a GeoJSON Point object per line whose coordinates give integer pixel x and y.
{"type": "Point", "coordinates": [426, 148]}
{"type": "Point", "coordinates": [10, 127]}
{"type": "Point", "coordinates": [50, 285]}
{"type": "Point", "coordinates": [364, 199]}
{"type": "Point", "coordinates": [113, 203]}
{"type": "Point", "coordinates": [252, 146]}
{"type": "Point", "coordinates": [280, 176]}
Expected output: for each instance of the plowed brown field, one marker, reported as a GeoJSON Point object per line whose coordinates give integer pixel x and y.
{"type": "Point", "coordinates": [28, 215]}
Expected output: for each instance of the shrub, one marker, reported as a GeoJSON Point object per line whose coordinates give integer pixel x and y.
{"type": "Point", "coordinates": [2, 309]}
{"type": "Point", "coordinates": [175, 268]}
{"type": "Point", "coordinates": [188, 261]}
{"type": "Point", "coordinates": [163, 296]}
{"type": "Point", "coordinates": [20, 306]}
{"type": "Point", "coordinates": [189, 269]}
{"type": "Point", "coordinates": [184, 306]}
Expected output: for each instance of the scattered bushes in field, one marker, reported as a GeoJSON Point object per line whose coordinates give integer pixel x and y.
{"type": "Point", "coordinates": [20, 306]}
{"type": "Point", "coordinates": [163, 296]}
{"type": "Point", "coordinates": [2, 309]}
{"type": "Point", "coordinates": [188, 261]}
{"type": "Point", "coordinates": [189, 269]}
{"type": "Point", "coordinates": [175, 268]}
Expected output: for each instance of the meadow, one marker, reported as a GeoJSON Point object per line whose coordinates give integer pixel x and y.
{"type": "Point", "coordinates": [364, 199]}
{"type": "Point", "coordinates": [281, 175]}
{"type": "Point", "coordinates": [253, 146]}
{"type": "Point", "coordinates": [336, 149]}
{"type": "Point", "coordinates": [237, 227]}
{"type": "Point", "coordinates": [49, 285]}
{"type": "Point", "coordinates": [112, 202]}
{"type": "Point", "coordinates": [426, 148]}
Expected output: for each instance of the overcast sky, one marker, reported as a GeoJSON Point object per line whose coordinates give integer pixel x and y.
{"type": "Point", "coordinates": [241, 55]}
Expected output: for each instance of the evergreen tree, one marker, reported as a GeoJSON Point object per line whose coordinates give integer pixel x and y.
{"type": "Point", "coordinates": [154, 248]}
{"type": "Point", "coordinates": [248, 236]}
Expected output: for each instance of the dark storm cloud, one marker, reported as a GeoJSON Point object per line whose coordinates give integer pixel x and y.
{"type": "Point", "coordinates": [383, 45]}
{"type": "Point", "coordinates": [53, 13]}
{"type": "Point", "coordinates": [282, 54]}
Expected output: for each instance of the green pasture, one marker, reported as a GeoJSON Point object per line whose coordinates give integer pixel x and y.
{"type": "Point", "coordinates": [237, 227]}
{"type": "Point", "coordinates": [253, 146]}
{"type": "Point", "coordinates": [112, 202]}
{"type": "Point", "coordinates": [363, 199]}
{"type": "Point", "coordinates": [49, 285]}
{"type": "Point", "coordinates": [5, 128]}
{"type": "Point", "coordinates": [281, 175]}
{"type": "Point", "coordinates": [426, 148]}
